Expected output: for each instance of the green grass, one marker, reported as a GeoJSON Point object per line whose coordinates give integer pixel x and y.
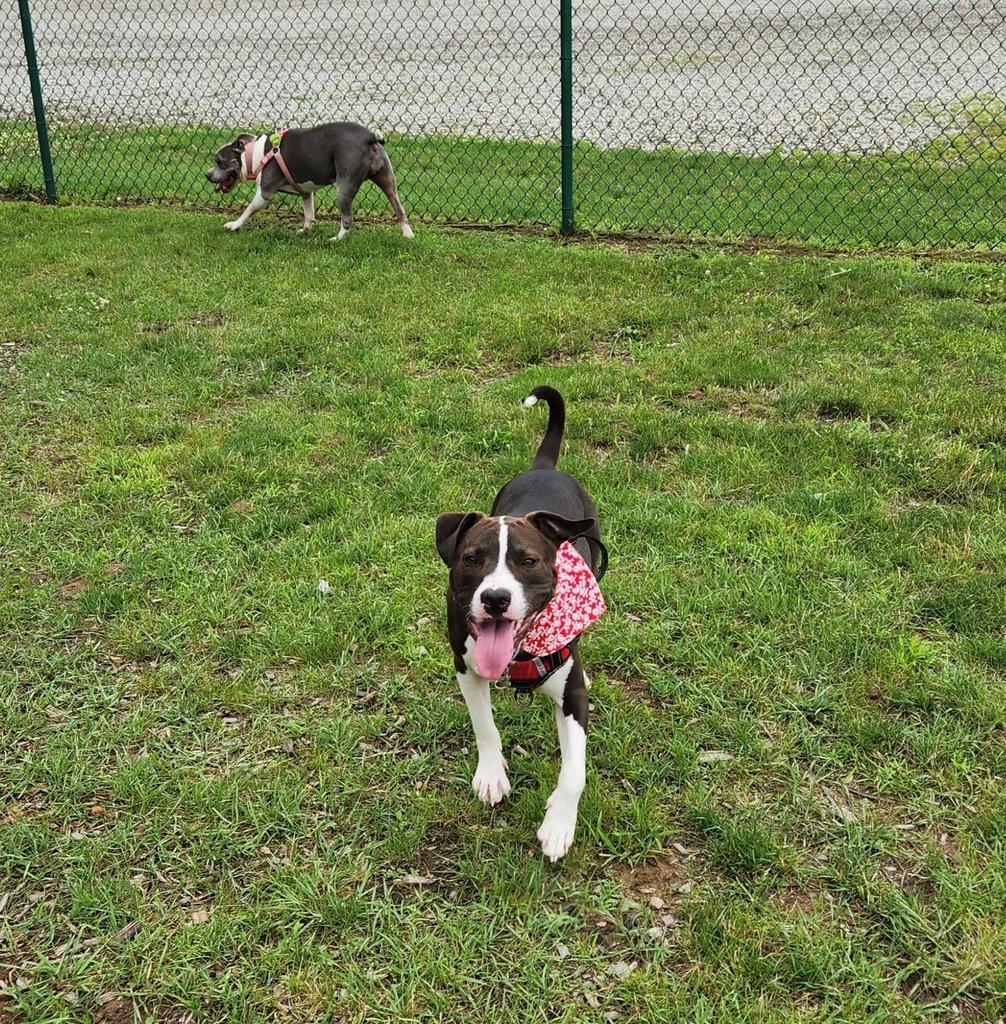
{"type": "Point", "coordinates": [218, 785]}
{"type": "Point", "coordinates": [907, 200]}
{"type": "Point", "coordinates": [974, 129]}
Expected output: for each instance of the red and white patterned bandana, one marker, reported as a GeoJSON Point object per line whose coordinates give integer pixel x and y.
{"type": "Point", "coordinates": [576, 603]}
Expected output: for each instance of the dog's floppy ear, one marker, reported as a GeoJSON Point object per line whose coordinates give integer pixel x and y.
{"type": "Point", "coordinates": [451, 527]}
{"type": "Point", "coordinates": [557, 528]}
{"type": "Point", "coordinates": [243, 140]}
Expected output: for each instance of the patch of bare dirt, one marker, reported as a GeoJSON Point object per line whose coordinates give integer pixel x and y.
{"type": "Point", "coordinates": [114, 1009]}
{"type": "Point", "coordinates": [795, 900]}
{"type": "Point", "coordinates": [73, 587]}
{"type": "Point", "coordinates": [11, 351]}
{"type": "Point", "coordinates": [9, 1011]}
{"type": "Point", "coordinates": [851, 409]}
{"type": "Point", "coordinates": [617, 342]}
{"type": "Point", "coordinates": [432, 868]}
{"type": "Point", "coordinates": [660, 882]}
{"type": "Point", "coordinates": [638, 689]}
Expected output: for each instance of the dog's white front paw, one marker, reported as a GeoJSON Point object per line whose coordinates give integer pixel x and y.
{"type": "Point", "coordinates": [407, 231]}
{"type": "Point", "coordinates": [490, 782]}
{"type": "Point", "coordinates": [558, 828]}
{"type": "Point", "coordinates": [233, 225]}
{"type": "Point", "coordinates": [305, 230]}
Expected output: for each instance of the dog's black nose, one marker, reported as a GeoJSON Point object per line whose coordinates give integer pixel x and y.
{"type": "Point", "coordinates": [496, 601]}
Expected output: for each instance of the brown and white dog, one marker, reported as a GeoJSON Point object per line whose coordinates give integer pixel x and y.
{"type": "Point", "coordinates": [503, 573]}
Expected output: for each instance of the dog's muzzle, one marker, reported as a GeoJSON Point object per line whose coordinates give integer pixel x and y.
{"type": "Point", "coordinates": [228, 183]}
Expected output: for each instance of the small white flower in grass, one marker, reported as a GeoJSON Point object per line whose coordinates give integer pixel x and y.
{"type": "Point", "coordinates": [324, 586]}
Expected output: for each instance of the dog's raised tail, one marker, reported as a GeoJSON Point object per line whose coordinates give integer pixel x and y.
{"type": "Point", "coordinates": [548, 451]}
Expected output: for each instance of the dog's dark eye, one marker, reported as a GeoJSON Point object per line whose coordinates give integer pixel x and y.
{"type": "Point", "coordinates": [470, 560]}
{"type": "Point", "coordinates": [529, 561]}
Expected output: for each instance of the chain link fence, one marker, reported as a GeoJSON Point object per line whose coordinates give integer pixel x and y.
{"type": "Point", "coordinates": [833, 122]}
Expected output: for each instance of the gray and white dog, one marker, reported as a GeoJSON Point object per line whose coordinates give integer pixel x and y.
{"type": "Point", "coordinates": [302, 160]}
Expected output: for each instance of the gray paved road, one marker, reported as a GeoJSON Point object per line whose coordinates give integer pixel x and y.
{"type": "Point", "coordinates": [736, 75]}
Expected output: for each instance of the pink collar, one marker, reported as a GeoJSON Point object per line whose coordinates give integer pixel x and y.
{"type": "Point", "coordinates": [248, 157]}
{"type": "Point", "coordinates": [576, 603]}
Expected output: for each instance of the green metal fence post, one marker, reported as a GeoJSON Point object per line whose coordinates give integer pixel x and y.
{"type": "Point", "coordinates": [566, 111]}
{"type": "Point", "coordinates": [36, 100]}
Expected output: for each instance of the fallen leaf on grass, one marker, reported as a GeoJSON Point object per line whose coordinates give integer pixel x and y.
{"type": "Point", "coordinates": [839, 808]}
{"type": "Point", "coordinates": [416, 880]}
{"type": "Point", "coordinates": [711, 756]}
{"type": "Point", "coordinates": [127, 932]}
{"type": "Point", "coordinates": [200, 916]}
{"type": "Point", "coordinates": [622, 969]}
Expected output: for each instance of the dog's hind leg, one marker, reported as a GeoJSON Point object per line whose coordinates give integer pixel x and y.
{"type": "Point", "coordinates": [308, 213]}
{"type": "Point", "coordinates": [490, 782]}
{"type": "Point", "coordinates": [384, 178]}
{"type": "Point", "coordinates": [347, 193]}
{"type": "Point", "coordinates": [257, 203]}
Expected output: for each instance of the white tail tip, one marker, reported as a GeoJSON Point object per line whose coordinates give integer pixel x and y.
{"type": "Point", "coordinates": [531, 400]}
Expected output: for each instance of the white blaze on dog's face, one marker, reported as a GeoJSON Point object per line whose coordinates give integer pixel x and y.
{"type": "Point", "coordinates": [513, 568]}
{"type": "Point", "coordinates": [502, 572]}
{"type": "Point", "coordinates": [500, 596]}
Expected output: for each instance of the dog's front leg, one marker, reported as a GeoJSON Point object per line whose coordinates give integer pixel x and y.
{"type": "Point", "coordinates": [490, 782]}
{"type": "Point", "coordinates": [308, 213]}
{"type": "Point", "coordinates": [559, 827]}
{"type": "Point", "coordinates": [251, 209]}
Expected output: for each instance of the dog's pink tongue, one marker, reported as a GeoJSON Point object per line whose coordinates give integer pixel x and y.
{"type": "Point", "coordinates": [494, 648]}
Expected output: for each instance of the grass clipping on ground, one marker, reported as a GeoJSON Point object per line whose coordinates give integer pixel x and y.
{"type": "Point", "coordinates": [230, 795]}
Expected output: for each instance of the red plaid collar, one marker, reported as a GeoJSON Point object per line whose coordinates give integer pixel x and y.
{"type": "Point", "coordinates": [528, 671]}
